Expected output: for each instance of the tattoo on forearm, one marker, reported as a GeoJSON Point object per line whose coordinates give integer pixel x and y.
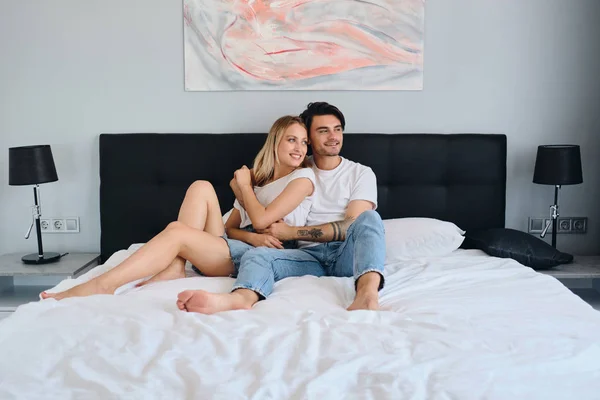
{"type": "Point", "coordinates": [314, 233]}
{"type": "Point", "coordinates": [340, 228]}
{"type": "Point", "coordinates": [337, 231]}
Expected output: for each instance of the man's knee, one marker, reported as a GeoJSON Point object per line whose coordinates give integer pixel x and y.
{"type": "Point", "coordinates": [260, 255]}
{"type": "Point", "coordinates": [370, 218]}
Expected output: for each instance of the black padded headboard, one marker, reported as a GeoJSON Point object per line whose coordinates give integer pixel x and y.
{"type": "Point", "coordinates": [143, 177]}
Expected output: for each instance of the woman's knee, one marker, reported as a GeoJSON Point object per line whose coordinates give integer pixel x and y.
{"type": "Point", "coordinates": [177, 233]}
{"type": "Point", "coordinates": [176, 229]}
{"type": "Point", "coordinates": [175, 225]}
{"type": "Point", "coordinates": [200, 187]}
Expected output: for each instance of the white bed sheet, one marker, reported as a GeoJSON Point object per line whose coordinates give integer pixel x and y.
{"type": "Point", "coordinates": [466, 326]}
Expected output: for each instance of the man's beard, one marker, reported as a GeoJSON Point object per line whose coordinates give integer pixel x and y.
{"type": "Point", "coordinates": [325, 152]}
{"type": "Point", "coordinates": [330, 153]}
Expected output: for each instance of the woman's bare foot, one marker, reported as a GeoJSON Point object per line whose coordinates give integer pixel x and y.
{"type": "Point", "coordinates": [165, 275]}
{"type": "Point", "coordinates": [365, 302]}
{"type": "Point", "coordinates": [209, 303]}
{"type": "Point", "coordinates": [85, 289]}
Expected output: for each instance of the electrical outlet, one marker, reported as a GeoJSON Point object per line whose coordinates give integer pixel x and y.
{"type": "Point", "coordinates": [577, 225]}
{"type": "Point", "coordinates": [60, 225]}
{"type": "Point", "coordinates": [564, 225]}
{"type": "Point", "coordinates": [45, 224]}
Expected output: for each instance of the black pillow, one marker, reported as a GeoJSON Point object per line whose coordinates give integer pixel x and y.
{"type": "Point", "coordinates": [520, 246]}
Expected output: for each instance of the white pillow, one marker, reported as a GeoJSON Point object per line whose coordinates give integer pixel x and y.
{"type": "Point", "coordinates": [420, 237]}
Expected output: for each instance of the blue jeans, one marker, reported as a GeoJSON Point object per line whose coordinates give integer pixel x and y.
{"type": "Point", "coordinates": [363, 251]}
{"type": "Point", "coordinates": [237, 249]}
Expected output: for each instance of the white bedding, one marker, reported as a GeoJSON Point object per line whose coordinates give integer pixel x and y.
{"type": "Point", "coordinates": [466, 326]}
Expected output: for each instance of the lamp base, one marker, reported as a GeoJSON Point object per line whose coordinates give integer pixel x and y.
{"type": "Point", "coordinates": [34, 258]}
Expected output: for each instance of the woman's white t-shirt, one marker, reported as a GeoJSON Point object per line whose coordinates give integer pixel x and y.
{"type": "Point", "coordinates": [266, 194]}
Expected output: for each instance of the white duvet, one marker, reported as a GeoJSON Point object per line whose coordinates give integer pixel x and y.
{"type": "Point", "coordinates": [466, 326]}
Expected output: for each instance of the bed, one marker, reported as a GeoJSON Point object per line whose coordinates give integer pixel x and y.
{"type": "Point", "coordinates": [460, 326]}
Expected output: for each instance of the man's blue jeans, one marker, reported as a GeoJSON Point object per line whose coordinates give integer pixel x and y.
{"type": "Point", "coordinates": [363, 251]}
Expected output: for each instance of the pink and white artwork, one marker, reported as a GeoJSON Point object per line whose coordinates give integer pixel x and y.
{"type": "Point", "coordinates": [303, 44]}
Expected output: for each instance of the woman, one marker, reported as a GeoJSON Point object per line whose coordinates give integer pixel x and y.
{"type": "Point", "coordinates": [284, 190]}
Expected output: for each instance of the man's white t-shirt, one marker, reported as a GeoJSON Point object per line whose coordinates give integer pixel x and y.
{"type": "Point", "coordinates": [336, 188]}
{"type": "Point", "coordinates": [269, 192]}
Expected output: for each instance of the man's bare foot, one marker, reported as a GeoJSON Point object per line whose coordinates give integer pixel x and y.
{"type": "Point", "coordinates": [85, 289]}
{"type": "Point", "coordinates": [365, 302]}
{"type": "Point", "coordinates": [165, 275]}
{"type": "Point", "coordinates": [209, 303]}
{"type": "Point", "coordinates": [367, 292]}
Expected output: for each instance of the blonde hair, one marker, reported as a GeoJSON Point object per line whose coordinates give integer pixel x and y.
{"type": "Point", "coordinates": [267, 158]}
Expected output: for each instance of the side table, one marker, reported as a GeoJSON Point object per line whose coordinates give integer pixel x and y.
{"type": "Point", "coordinates": [12, 295]}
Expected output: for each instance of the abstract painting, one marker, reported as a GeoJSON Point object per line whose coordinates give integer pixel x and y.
{"type": "Point", "coordinates": [303, 44]}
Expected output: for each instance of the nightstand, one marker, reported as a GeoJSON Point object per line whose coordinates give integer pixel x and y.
{"type": "Point", "coordinates": [22, 283]}
{"type": "Point", "coordinates": [582, 268]}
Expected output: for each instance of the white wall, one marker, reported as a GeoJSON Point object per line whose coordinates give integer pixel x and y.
{"type": "Point", "coordinates": [71, 70]}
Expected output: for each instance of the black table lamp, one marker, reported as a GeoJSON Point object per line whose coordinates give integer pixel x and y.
{"type": "Point", "coordinates": [32, 165]}
{"type": "Point", "coordinates": [557, 165]}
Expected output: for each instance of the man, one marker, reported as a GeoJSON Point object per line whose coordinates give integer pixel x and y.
{"type": "Point", "coordinates": [344, 235]}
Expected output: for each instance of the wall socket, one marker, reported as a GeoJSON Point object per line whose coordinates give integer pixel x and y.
{"type": "Point", "coordinates": [60, 225]}
{"type": "Point", "coordinates": [576, 225]}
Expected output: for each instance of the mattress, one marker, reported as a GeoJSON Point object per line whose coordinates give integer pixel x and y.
{"type": "Point", "coordinates": [465, 326]}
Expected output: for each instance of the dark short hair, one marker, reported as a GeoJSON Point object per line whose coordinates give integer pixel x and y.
{"type": "Point", "coordinates": [321, 108]}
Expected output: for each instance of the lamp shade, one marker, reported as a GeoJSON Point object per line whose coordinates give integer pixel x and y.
{"type": "Point", "coordinates": [558, 165]}
{"type": "Point", "coordinates": [30, 165]}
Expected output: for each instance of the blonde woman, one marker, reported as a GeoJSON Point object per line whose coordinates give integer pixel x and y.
{"type": "Point", "coordinates": [279, 187]}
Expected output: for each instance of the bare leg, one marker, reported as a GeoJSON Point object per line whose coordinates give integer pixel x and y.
{"type": "Point", "coordinates": [200, 210]}
{"type": "Point", "coordinates": [367, 292]}
{"type": "Point", "coordinates": [175, 270]}
{"type": "Point", "coordinates": [209, 303]}
{"type": "Point", "coordinates": [201, 248]}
